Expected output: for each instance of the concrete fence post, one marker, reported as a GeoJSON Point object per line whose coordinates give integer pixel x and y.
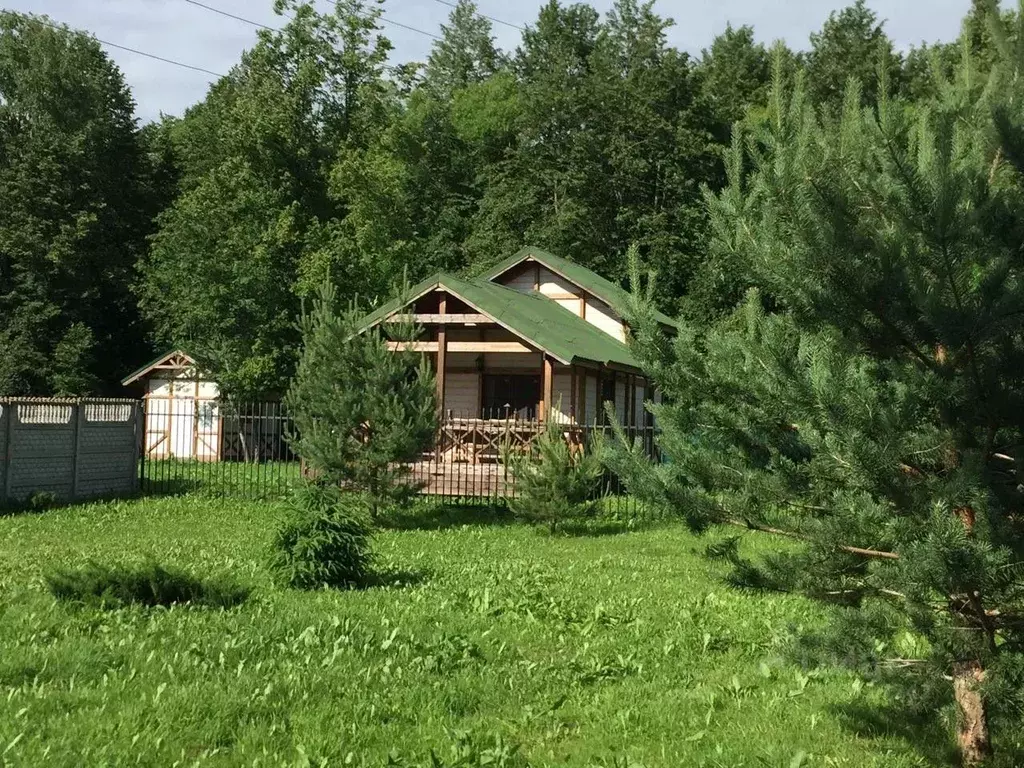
{"type": "Point", "coordinates": [77, 425]}
{"type": "Point", "coordinates": [7, 420]}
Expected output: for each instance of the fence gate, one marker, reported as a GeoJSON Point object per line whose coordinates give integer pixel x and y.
{"type": "Point", "coordinates": [72, 448]}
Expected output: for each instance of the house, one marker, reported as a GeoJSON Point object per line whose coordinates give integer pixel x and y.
{"type": "Point", "coordinates": [536, 338]}
{"type": "Point", "coordinates": [185, 418]}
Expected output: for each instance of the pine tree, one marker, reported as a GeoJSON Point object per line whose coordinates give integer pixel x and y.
{"type": "Point", "coordinates": [361, 410]}
{"type": "Point", "coordinates": [874, 415]}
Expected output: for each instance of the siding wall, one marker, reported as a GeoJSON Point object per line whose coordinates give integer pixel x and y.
{"type": "Point", "coordinates": [74, 449]}
{"type": "Point", "coordinates": [172, 429]}
{"type": "Point", "coordinates": [567, 295]}
{"type": "Point", "coordinates": [561, 394]}
{"type": "Point", "coordinates": [591, 414]}
{"type": "Point", "coordinates": [462, 394]}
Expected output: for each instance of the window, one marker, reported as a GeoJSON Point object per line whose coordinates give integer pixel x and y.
{"type": "Point", "coordinates": [207, 413]}
{"type": "Point", "coordinates": [510, 396]}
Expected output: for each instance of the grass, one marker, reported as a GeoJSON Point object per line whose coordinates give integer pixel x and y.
{"type": "Point", "coordinates": [488, 644]}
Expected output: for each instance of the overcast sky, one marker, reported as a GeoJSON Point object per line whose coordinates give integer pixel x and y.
{"type": "Point", "coordinates": [178, 30]}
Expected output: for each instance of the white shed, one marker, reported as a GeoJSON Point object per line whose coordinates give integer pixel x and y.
{"type": "Point", "coordinates": [182, 413]}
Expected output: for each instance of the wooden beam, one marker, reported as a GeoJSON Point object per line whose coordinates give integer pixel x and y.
{"type": "Point", "coordinates": [413, 346]}
{"type": "Point", "coordinates": [536, 276]}
{"type": "Point", "coordinates": [461, 346]}
{"type": "Point", "coordinates": [465, 318]}
{"type": "Point", "coordinates": [547, 389]}
{"type": "Point", "coordinates": [442, 354]}
{"type": "Point", "coordinates": [489, 346]}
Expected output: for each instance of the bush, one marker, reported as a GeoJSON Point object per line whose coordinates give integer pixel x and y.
{"type": "Point", "coordinates": [114, 586]}
{"type": "Point", "coordinates": [556, 483]}
{"type": "Point", "coordinates": [324, 541]}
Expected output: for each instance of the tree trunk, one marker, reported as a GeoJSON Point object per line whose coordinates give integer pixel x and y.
{"type": "Point", "coordinates": [972, 722]}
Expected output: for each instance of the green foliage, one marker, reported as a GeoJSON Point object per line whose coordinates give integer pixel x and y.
{"type": "Point", "coordinates": [361, 411]}
{"type": "Point", "coordinates": [324, 541]}
{"type": "Point", "coordinates": [874, 413]}
{"type": "Point", "coordinates": [735, 73]}
{"type": "Point", "coordinates": [465, 53]}
{"type": "Point", "coordinates": [75, 196]}
{"type": "Point", "coordinates": [852, 45]}
{"type": "Point", "coordinates": [556, 483]}
{"type": "Point", "coordinates": [252, 227]}
{"type": "Point", "coordinates": [150, 584]}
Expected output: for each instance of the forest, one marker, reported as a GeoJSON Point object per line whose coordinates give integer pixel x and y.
{"type": "Point", "coordinates": [316, 158]}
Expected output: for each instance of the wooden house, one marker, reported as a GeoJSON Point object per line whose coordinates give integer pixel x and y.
{"type": "Point", "coordinates": [536, 338]}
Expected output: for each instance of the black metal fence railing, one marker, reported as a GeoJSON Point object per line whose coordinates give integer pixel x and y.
{"type": "Point", "coordinates": [242, 450]}
{"type": "Point", "coordinates": [207, 446]}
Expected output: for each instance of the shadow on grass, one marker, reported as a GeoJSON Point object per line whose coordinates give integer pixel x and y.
{"type": "Point", "coordinates": [595, 528]}
{"type": "Point", "coordinates": [924, 733]}
{"type": "Point", "coordinates": [425, 516]}
{"type": "Point", "coordinates": [151, 584]}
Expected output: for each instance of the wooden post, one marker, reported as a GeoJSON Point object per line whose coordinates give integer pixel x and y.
{"type": "Point", "coordinates": [442, 354]}
{"type": "Point", "coordinates": [536, 276]}
{"type": "Point", "coordinates": [547, 390]}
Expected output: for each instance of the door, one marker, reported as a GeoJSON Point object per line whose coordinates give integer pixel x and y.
{"type": "Point", "coordinates": [182, 427]}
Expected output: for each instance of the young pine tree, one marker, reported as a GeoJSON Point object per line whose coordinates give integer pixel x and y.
{"type": "Point", "coordinates": [556, 483]}
{"type": "Point", "coordinates": [876, 414]}
{"type": "Point", "coordinates": [361, 410]}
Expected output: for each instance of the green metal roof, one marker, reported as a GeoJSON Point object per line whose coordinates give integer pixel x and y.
{"type": "Point", "coordinates": [612, 294]}
{"type": "Point", "coordinates": [538, 321]}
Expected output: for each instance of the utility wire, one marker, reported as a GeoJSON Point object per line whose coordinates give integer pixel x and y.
{"type": "Point", "coordinates": [484, 15]}
{"type": "Point", "coordinates": [275, 29]}
{"type": "Point", "coordinates": [136, 51]}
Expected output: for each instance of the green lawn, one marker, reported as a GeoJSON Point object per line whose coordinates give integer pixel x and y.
{"type": "Point", "coordinates": [615, 650]}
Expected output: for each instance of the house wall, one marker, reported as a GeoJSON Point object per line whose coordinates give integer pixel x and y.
{"type": "Point", "coordinates": [591, 392]}
{"type": "Point", "coordinates": [567, 295]}
{"type": "Point", "coordinates": [561, 395]}
{"type": "Point", "coordinates": [462, 394]}
{"type": "Point", "coordinates": [182, 417]}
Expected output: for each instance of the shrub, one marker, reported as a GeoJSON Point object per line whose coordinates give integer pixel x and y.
{"type": "Point", "coordinates": [325, 539]}
{"type": "Point", "coordinates": [114, 586]}
{"type": "Point", "coordinates": [556, 483]}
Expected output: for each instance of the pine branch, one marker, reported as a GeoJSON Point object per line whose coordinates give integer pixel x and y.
{"type": "Point", "coordinates": [861, 551]}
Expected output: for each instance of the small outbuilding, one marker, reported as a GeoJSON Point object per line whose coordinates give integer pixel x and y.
{"type": "Point", "coordinates": [182, 413]}
{"type": "Point", "coordinates": [185, 418]}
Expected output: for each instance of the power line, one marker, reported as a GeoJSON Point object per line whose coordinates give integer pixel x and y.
{"type": "Point", "coordinates": [136, 50]}
{"type": "Point", "coordinates": [231, 15]}
{"type": "Point", "coordinates": [385, 19]}
{"type": "Point", "coordinates": [484, 15]}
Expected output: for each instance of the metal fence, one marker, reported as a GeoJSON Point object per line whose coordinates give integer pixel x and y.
{"type": "Point", "coordinates": [243, 450]}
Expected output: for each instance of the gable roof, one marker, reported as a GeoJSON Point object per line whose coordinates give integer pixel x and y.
{"type": "Point", "coordinates": [540, 322]}
{"type": "Point", "coordinates": [612, 294]}
{"type": "Point", "coordinates": [157, 361]}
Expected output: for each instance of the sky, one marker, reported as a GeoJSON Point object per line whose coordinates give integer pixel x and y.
{"type": "Point", "coordinates": [186, 33]}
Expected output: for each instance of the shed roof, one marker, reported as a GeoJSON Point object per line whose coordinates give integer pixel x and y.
{"type": "Point", "coordinates": [612, 294]}
{"type": "Point", "coordinates": [157, 361]}
{"type": "Point", "coordinates": [538, 321]}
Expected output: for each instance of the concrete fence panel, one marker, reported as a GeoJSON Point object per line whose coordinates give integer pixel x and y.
{"type": "Point", "coordinates": [73, 449]}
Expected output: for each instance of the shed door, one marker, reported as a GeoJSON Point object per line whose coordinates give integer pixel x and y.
{"type": "Point", "coordinates": [182, 427]}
